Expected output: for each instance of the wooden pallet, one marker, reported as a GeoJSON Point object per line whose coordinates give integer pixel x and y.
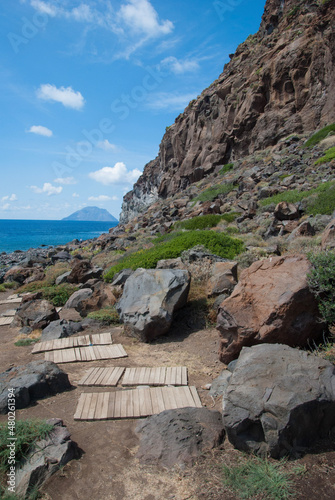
{"type": "Point", "coordinates": [70, 342]}
{"type": "Point", "coordinates": [155, 376]}
{"type": "Point", "coordinates": [5, 321]}
{"type": "Point", "coordinates": [90, 353]}
{"type": "Point", "coordinates": [135, 403]}
{"type": "Point", "coordinates": [10, 302]}
{"type": "Point", "coordinates": [10, 313]}
{"type": "Point", "coordinates": [102, 376]}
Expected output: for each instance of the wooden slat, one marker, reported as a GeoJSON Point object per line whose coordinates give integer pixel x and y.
{"type": "Point", "coordinates": [111, 405]}
{"type": "Point", "coordinates": [86, 409]}
{"type": "Point", "coordinates": [136, 404]}
{"type": "Point", "coordinates": [93, 405]}
{"type": "Point", "coordinates": [105, 403]}
{"type": "Point", "coordinates": [102, 338]}
{"type": "Point", "coordinates": [84, 379]}
{"type": "Point", "coordinates": [187, 396]}
{"type": "Point", "coordinates": [80, 406]}
{"type": "Point", "coordinates": [197, 401]}
{"type": "Point", "coordinates": [5, 321]}
{"type": "Point", "coordinates": [117, 407]}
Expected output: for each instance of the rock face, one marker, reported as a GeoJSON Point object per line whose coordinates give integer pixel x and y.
{"type": "Point", "coordinates": [30, 382]}
{"type": "Point", "coordinates": [35, 314]}
{"type": "Point", "coordinates": [179, 437]}
{"type": "Point", "coordinates": [271, 303]}
{"type": "Point", "coordinates": [279, 81]}
{"type": "Point", "coordinates": [149, 300]}
{"type": "Point", "coordinates": [45, 458]}
{"type": "Point", "coordinates": [279, 400]}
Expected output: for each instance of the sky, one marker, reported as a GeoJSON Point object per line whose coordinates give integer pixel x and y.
{"type": "Point", "coordinates": [87, 88]}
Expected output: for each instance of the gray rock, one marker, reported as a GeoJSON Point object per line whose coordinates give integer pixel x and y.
{"type": "Point", "coordinates": [199, 252]}
{"type": "Point", "coordinates": [62, 278]}
{"type": "Point", "coordinates": [62, 256]}
{"type": "Point", "coordinates": [170, 264]}
{"type": "Point", "coordinates": [179, 437]}
{"type": "Point", "coordinates": [219, 384]}
{"type": "Point", "coordinates": [149, 300]}
{"type": "Point", "coordinates": [76, 301]}
{"type": "Point", "coordinates": [45, 458]}
{"type": "Point", "coordinates": [60, 329]}
{"type": "Point", "coordinates": [286, 211]}
{"type": "Point", "coordinates": [35, 314]}
{"type": "Point", "coordinates": [121, 277]}
{"type": "Point", "coordinates": [279, 400]}
{"type": "Point", "coordinates": [30, 382]}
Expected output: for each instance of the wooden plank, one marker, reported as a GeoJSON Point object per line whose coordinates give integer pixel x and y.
{"type": "Point", "coordinates": [93, 404]}
{"type": "Point", "coordinates": [184, 376]}
{"type": "Point", "coordinates": [117, 407]}
{"type": "Point", "coordinates": [169, 400]}
{"type": "Point", "coordinates": [85, 378]}
{"type": "Point", "coordinates": [86, 408]}
{"type": "Point", "coordinates": [111, 405]}
{"type": "Point", "coordinates": [157, 400]}
{"type": "Point", "coordinates": [98, 407]}
{"type": "Point", "coordinates": [124, 403]}
{"type": "Point", "coordinates": [106, 376]}
{"type": "Point", "coordinates": [179, 397]}
{"type": "Point", "coordinates": [105, 404]}
{"type": "Point", "coordinates": [187, 397]}
{"type": "Point", "coordinates": [102, 338]}
{"type": "Point", "coordinates": [80, 407]}
{"type": "Point", "coordinates": [136, 403]}
{"type": "Point", "coordinates": [95, 376]}
{"type": "Point", "coordinates": [195, 395]}
{"type": "Point", "coordinates": [5, 321]}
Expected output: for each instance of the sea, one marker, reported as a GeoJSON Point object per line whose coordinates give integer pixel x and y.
{"type": "Point", "coordinates": [25, 234]}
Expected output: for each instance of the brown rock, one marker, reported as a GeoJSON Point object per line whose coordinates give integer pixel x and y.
{"type": "Point", "coordinates": [328, 237]}
{"type": "Point", "coordinates": [223, 278]}
{"type": "Point", "coordinates": [271, 304]}
{"type": "Point", "coordinates": [286, 211]}
{"type": "Point", "coordinates": [35, 314]}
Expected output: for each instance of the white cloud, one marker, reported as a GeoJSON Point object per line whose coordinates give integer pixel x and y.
{"type": "Point", "coordinates": [75, 195]}
{"type": "Point", "coordinates": [47, 188]}
{"type": "Point", "coordinates": [65, 180]}
{"type": "Point", "coordinates": [102, 197]}
{"type": "Point", "coordinates": [106, 145]}
{"type": "Point", "coordinates": [141, 17]}
{"type": "Point", "coordinates": [173, 102]}
{"type": "Point", "coordinates": [179, 67]}
{"type": "Point", "coordinates": [43, 7]}
{"type": "Point", "coordinates": [40, 130]}
{"type": "Point", "coordinates": [12, 197]}
{"type": "Point", "coordinates": [67, 96]}
{"type": "Point", "coordinates": [115, 175]}
{"type": "Point", "coordinates": [6, 206]}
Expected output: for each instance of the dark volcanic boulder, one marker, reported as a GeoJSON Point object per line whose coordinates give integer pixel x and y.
{"type": "Point", "coordinates": [60, 329]}
{"type": "Point", "coordinates": [35, 314]}
{"type": "Point", "coordinates": [30, 382]}
{"type": "Point", "coordinates": [271, 303]}
{"type": "Point", "coordinates": [179, 437]}
{"type": "Point", "coordinates": [45, 458]}
{"type": "Point", "coordinates": [149, 300]}
{"type": "Point", "coordinates": [77, 299]}
{"type": "Point", "coordinates": [82, 271]}
{"type": "Point", "coordinates": [279, 400]}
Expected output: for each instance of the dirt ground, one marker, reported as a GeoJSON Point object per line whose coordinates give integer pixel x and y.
{"type": "Point", "coordinates": [108, 468]}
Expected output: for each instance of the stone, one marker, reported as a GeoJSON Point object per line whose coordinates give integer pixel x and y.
{"type": "Point", "coordinates": [286, 211]}
{"type": "Point", "coordinates": [279, 400]}
{"type": "Point", "coordinates": [199, 253]}
{"type": "Point", "coordinates": [102, 297]}
{"type": "Point", "coordinates": [170, 264]}
{"type": "Point", "coordinates": [149, 300]}
{"type": "Point", "coordinates": [45, 458]}
{"type": "Point", "coordinates": [61, 256]}
{"type": "Point", "coordinates": [82, 271]}
{"type": "Point", "coordinates": [31, 382]}
{"type": "Point", "coordinates": [179, 437]}
{"type": "Point", "coordinates": [121, 277]}
{"type": "Point", "coordinates": [328, 236]}
{"type": "Point", "coordinates": [35, 314]}
{"type": "Point", "coordinates": [304, 229]}
{"type": "Point", "coordinates": [60, 329]}
{"type": "Point", "coordinates": [219, 384]}
{"type": "Point", "coordinates": [271, 303]}
{"type": "Point", "coordinates": [223, 278]}
{"type": "Point", "coordinates": [77, 299]}
{"type": "Point", "coordinates": [62, 278]}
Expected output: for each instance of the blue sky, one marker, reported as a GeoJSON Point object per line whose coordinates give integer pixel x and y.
{"type": "Point", "coordinates": [88, 87]}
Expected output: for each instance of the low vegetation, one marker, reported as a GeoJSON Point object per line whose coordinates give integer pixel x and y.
{"type": "Point", "coordinates": [205, 221]}
{"type": "Point", "coordinates": [320, 135]}
{"type": "Point", "coordinates": [58, 295]}
{"type": "Point", "coordinates": [321, 281]}
{"type": "Point", "coordinates": [226, 168]}
{"type": "Point", "coordinates": [214, 191]}
{"type": "Point", "coordinates": [25, 342]}
{"type": "Point", "coordinates": [27, 432]}
{"type": "Point", "coordinates": [321, 200]}
{"type": "Point", "coordinates": [106, 316]}
{"type": "Point", "coordinates": [7, 286]}
{"type": "Point", "coordinates": [259, 478]}
{"type": "Point", "coordinates": [329, 156]}
{"type": "Point", "coordinates": [172, 245]}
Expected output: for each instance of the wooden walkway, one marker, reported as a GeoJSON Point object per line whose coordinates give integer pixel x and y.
{"type": "Point", "coordinates": [12, 299]}
{"type": "Point", "coordinates": [135, 403]}
{"type": "Point", "coordinates": [6, 321]}
{"type": "Point", "coordinates": [102, 376]}
{"type": "Point", "coordinates": [90, 353]}
{"type": "Point", "coordinates": [155, 376]}
{"type": "Point", "coordinates": [70, 342]}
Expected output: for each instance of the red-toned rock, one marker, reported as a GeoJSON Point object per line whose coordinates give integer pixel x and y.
{"type": "Point", "coordinates": [223, 278]}
{"type": "Point", "coordinates": [271, 304]}
{"type": "Point", "coordinates": [286, 211]}
{"type": "Point", "coordinates": [328, 237]}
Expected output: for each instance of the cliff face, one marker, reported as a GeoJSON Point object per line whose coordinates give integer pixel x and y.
{"type": "Point", "coordinates": [279, 81]}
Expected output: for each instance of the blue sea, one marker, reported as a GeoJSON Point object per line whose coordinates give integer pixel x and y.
{"type": "Point", "coordinates": [25, 234]}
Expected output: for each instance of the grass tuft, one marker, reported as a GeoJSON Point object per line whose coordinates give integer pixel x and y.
{"type": "Point", "coordinates": [204, 221]}
{"type": "Point", "coordinates": [107, 316]}
{"type": "Point", "coordinates": [214, 191]}
{"type": "Point", "coordinates": [320, 135]}
{"type": "Point", "coordinates": [329, 156]}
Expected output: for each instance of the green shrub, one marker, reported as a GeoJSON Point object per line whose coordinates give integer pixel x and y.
{"type": "Point", "coordinates": [213, 192]}
{"type": "Point", "coordinates": [320, 135]}
{"type": "Point", "coordinates": [329, 156]}
{"type": "Point", "coordinates": [226, 168]}
{"type": "Point", "coordinates": [58, 295]}
{"type": "Point", "coordinates": [200, 222]}
{"type": "Point", "coordinates": [172, 245]}
{"type": "Point", "coordinates": [107, 316]}
{"type": "Point", "coordinates": [7, 286]}
{"type": "Point", "coordinates": [259, 478]}
{"type": "Point", "coordinates": [321, 281]}
{"type": "Point", "coordinates": [25, 342]}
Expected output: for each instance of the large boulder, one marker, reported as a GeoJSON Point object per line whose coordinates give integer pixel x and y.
{"type": "Point", "coordinates": [286, 211]}
{"type": "Point", "coordinates": [328, 236]}
{"type": "Point", "coordinates": [149, 300]}
{"type": "Point", "coordinates": [271, 303]}
{"type": "Point", "coordinates": [60, 329]}
{"type": "Point", "coordinates": [35, 314]}
{"type": "Point", "coordinates": [279, 400]}
{"type": "Point", "coordinates": [82, 271]}
{"type": "Point", "coordinates": [45, 458]}
{"type": "Point", "coordinates": [77, 299]}
{"type": "Point", "coordinates": [223, 278]}
{"type": "Point", "coordinates": [179, 437]}
{"type": "Point", "coordinates": [30, 382]}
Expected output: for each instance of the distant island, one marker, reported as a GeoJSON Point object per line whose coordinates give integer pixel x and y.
{"type": "Point", "coordinates": [91, 214]}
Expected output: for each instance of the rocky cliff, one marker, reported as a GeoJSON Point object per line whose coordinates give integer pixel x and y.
{"type": "Point", "coordinates": [279, 81]}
